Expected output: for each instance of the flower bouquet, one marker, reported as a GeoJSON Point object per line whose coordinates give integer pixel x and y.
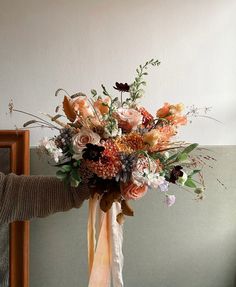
{"type": "Point", "coordinates": [115, 148]}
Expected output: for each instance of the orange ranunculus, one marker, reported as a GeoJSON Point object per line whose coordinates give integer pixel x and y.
{"type": "Point", "coordinates": [172, 113]}
{"type": "Point", "coordinates": [103, 105]}
{"type": "Point", "coordinates": [164, 111]}
{"type": "Point", "coordinates": [132, 191]}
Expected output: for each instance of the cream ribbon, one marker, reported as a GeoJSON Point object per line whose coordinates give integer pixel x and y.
{"type": "Point", "coordinates": [106, 256]}
{"type": "Point", "coordinates": [117, 260]}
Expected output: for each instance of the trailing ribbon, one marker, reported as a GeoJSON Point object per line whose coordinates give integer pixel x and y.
{"type": "Point", "coordinates": [106, 257]}
{"type": "Point", "coordinates": [117, 260]}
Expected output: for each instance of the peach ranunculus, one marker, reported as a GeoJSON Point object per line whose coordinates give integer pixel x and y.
{"type": "Point", "coordinates": [83, 137]}
{"type": "Point", "coordinates": [132, 191]}
{"type": "Point", "coordinates": [82, 107]}
{"type": "Point", "coordinates": [103, 105]}
{"type": "Point", "coordinates": [172, 113]}
{"type": "Point", "coordinates": [77, 107]}
{"type": "Point", "coordinates": [128, 119]}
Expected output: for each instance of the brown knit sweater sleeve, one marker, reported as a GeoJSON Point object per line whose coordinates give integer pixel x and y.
{"type": "Point", "coordinates": [25, 197]}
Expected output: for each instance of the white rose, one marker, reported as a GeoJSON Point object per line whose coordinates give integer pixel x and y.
{"type": "Point", "coordinates": [55, 152]}
{"type": "Point", "coordinates": [83, 137]}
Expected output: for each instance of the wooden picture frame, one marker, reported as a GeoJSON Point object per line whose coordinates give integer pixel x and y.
{"type": "Point", "coordinates": [17, 143]}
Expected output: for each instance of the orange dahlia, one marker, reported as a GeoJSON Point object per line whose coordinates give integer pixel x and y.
{"type": "Point", "coordinates": [130, 142]}
{"type": "Point", "coordinates": [164, 133]}
{"type": "Point", "coordinates": [109, 164]}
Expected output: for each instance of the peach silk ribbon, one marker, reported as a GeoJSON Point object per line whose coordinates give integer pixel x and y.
{"type": "Point", "coordinates": [106, 256]}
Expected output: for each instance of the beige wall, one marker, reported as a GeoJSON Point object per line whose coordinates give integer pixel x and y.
{"type": "Point", "coordinates": [189, 244]}
{"type": "Point", "coordinates": [78, 45]}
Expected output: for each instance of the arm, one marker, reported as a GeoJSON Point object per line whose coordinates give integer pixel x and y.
{"type": "Point", "coordinates": [25, 197]}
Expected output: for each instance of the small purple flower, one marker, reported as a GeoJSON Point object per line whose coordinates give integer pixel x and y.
{"type": "Point", "coordinates": [170, 200]}
{"type": "Point", "coordinates": [164, 186]}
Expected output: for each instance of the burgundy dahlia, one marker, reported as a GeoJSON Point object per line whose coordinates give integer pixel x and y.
{"type": "Point", "coordinates": [92, 152]}
{"type": "Point", "coordinates": [121, 87]}
{"type": "Point", "coordinates": [176, 173]}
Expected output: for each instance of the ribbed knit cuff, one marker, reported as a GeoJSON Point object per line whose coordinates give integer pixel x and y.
{"type": "Point", "coordinates": [25, 197]}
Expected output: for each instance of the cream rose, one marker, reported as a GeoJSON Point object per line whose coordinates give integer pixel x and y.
{"type": "Point", "coordinates": [83, 137]}
{"type": "Point", "coordinates": [128, 119]}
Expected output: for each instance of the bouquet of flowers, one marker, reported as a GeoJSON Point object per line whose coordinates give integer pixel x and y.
{"type": "Point", "coordinates": [116, 148]}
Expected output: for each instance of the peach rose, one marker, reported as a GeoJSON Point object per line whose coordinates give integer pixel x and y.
{"type": "Point", "coordinates": [128, 119]}
{"type": "Point", "coordinates": [102, 105]}
{"type": "Point", "coordinates": [83, 137]}
{"type": "Point", "coordinates": [132, 191]}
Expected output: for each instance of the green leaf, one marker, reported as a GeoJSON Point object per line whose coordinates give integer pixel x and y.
{"type": "Point", "coordinates": [75, 175]}
{"type": "Point", "coordinates": [182, 156]}
{"type": "Point", "coordinates": [173, 157]}
{"type": "Point", "coordinates": [194, 172]}
{"type": "Point", "coordinates": [61, 175]}
{"type": "Point", "coordinates": [190, 148]}
{"type": "Point", "coordinates": [74, 182]}
{"type": "Point", "coordinates": [94, 92]}
{"type": "Point", "coordinates": [66, 168]}
{"type": "Point", "coordinates": [189, 182]}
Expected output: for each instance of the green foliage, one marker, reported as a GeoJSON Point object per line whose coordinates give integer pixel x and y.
{"type": "Point", "coordinates": [182, 155]}
{"type": "Point", "coordinates": [69, 173]}
{"type": "Point", "coordinates": [136, 88]}
{"type": "Point", "coordinates": [195, 171]}
{"type": "Point", "coordinates": [190, 148]}
{"type": "Point", "coordinates": [190, 183]}
{"type": "Point", "coordinates": [94, 93]}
